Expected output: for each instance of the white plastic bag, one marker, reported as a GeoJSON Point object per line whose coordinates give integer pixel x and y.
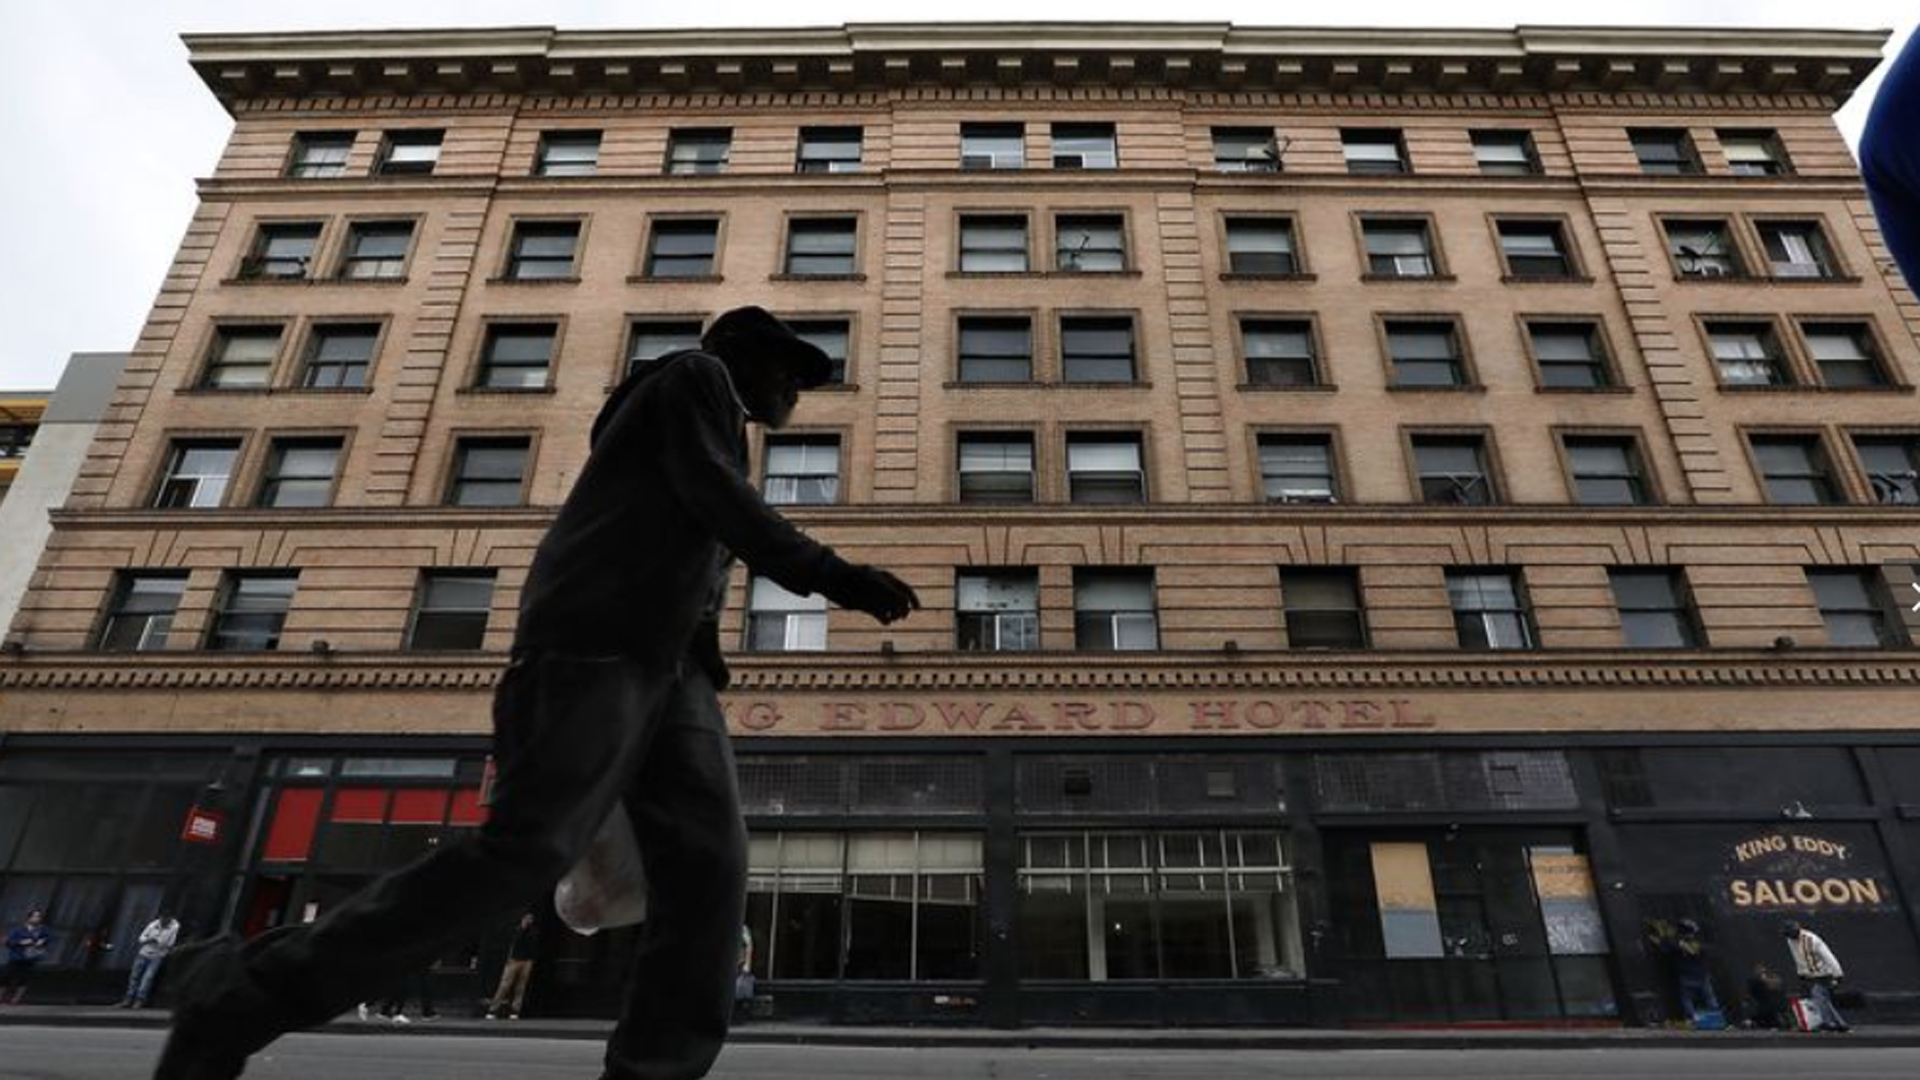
{"type": "Point", "coordinates": [608, 887]}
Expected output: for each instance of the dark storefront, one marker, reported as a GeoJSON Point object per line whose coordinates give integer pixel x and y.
{"type": "Point", "coordinates": [1060, 881]}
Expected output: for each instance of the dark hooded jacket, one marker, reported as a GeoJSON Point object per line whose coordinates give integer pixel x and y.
{"type": "Point", "coordinates": [630, 563]}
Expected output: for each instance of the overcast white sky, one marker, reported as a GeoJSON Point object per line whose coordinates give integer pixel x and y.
{"type": "Point", "coordinates": [106, 127]}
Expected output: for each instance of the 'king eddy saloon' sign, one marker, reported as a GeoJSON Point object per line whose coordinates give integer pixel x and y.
{"type": "Point", "coordinates": [1783, 871]}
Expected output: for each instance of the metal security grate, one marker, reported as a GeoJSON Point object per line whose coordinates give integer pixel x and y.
{"type": "Point", "coordinates": [790, 785]}
{"type": "Point", "coordinates": [1213, 784]}
{"type": "Point", "coordinates": [1520, 780]}
{"type": "Point", "coordinates": [1140, 785]}
{"type": "Point", "coordinates": [917, 785]}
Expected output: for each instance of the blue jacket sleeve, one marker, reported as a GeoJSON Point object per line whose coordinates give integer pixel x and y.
{"type": "Point", "coordinates": [1890, 159]}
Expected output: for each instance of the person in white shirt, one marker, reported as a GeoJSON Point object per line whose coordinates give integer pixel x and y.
{"type": "Point", "coordinates": [1819, 970]}
{"type": "Point", "coordinates": [156, 941]}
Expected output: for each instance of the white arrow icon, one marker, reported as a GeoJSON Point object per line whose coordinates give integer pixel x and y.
{"type": "Point", "coordinates": [1915, 586]}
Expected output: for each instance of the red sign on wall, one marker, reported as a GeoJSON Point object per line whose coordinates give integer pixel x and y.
{"type": "Point", "coordinates": [203, 826]}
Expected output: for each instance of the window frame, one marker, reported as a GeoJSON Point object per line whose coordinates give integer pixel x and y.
{"type": "Point", "coordinates": [968, 222]}
{"type": "Point", "coordinates": [460, 443]}
{"type": "Point", "coordinates": [1769, 138]}
{"type": "Point", "coordinates": [1249, 225]}
{"type": "Point", "coordinates": [304, 141]}
{"type": "Point", "coordinates": [221, 332]}
{"type": "Point", "coordinates": [1000, 435]}
{"type": "Point", "coordinates": [1249, 162]}
{"type": "Point", "coordinates": [1354, 136]}
{"type": "Point", "coordinates": [484, 365]}
{"type": "Point", "coordinates": [694, 138]}
{"type": "Point", "coordinates": [1686, 159]}
{"type": "Point", "coordinates": [1687, 612]}
{"type": "Point", "coordinates": [253, 263]}
{"type": "Point", "coordinates": [1080, 318]}
{"type": "Point", "coordinates": [182, 442]}
{"type": "Point", "coordinates": [1822, 472]}
{"type": "Point", "coordinates": [672, 223]}
{"type": "Point", "coordinates": [232, 585]}
{"type": "Point", "coordinates": [409, 138]}
{"type": "Point", "coordinates": [1437, 268]}
{"type": "Point", "coordinates": [630, 338]}
{"type": "Point", "coordinates": [990, 130]}
{"type": "Point", "coordinates": [278, 443]}
{"type": "Point", "coordinates": [1572, 266]}
{"type": "Point", "coordinates": [1005, 573]}
{"type": "Point", "coordinates": [1641, 475]}
{"type": "Point", "coordinates": [1530, 154]}
{"type": "Point", "coordinates": [1826, 256]}
{"type": "Point", "coordinates": [822, 132]}
{"type": "Point", "coordinates": [1129, 575]}
{"type": "Point", "coordinates": [811, 223]}
{"type": "Point", "coordinates": [120, 592]}
{"type": "Point", "coordinates": [1350, 576]}
{"type": "Point", "coordinates": [1521, 613]}
{"type": "Point", "coordinates": [514, 260]}
{"type": "Point", "coordinates": [1874, 485]}
{"type": "Point", "coordinates": [1316, 368]}
{"type": "Point", "coordinates": [1134, 438]}
{"type": "Point", "coordinates": [1327, 437]}
{"type": "Point", "coordinates": [1086, 131]}
{"type": "Point", "coordinates": [1771, 340]}
{"type": "Point", "coordinates": [1739, 266]}
{"type": "Point", "coordinates": [1490, 477]}
{"type": "Point", "coordinates": [1865, 330]}
{"type": "Point", "coordinates": [804, 323]}
{"type": "Point", "coordinates": [357, 228]}
{"type": "Point", "coordinates": [961, 319]}
{"type": "Point", "coordinates": [543, 160]}
{"type": "Point", "coordinates": [802, 440]}
{"type": "Point", "coordinates": [751, 618]}
{"type": "Point", "coordinates": [1385, 325]}
{"type": "Point", "coordinates": [417, 611]}
{"type": "Point", "coordinates": [1611, 377]}
{"type": "Point", "coordinates": [1890, 628]}
{"type": "Point", "coordinates": [314, 339]}
{"type": "Point", "coordinates": [1119, 220]}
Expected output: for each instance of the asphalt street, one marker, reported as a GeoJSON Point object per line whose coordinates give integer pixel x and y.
{"type": "Point", "coordinates": [47, 1053]}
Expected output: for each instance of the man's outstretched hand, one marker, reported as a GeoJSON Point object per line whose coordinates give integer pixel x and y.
{"type": "Point", "coordinates": [872, 590]}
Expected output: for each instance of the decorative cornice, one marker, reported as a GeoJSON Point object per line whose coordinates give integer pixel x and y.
{"type": "Point", "coordinates": [1201, 56]}
{"type": "Point", "coordinates": [1237, 672]}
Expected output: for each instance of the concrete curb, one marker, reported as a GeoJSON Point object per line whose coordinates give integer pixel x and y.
{"type": "Point", "coordinates": [752, 1034]}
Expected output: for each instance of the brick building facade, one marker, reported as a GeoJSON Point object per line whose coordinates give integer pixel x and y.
{"type": "Point", "coordinates": [1401, 514]}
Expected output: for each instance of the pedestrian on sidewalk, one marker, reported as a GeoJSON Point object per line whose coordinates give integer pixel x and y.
{"type": "Point", "coordinates": [1819, 972]}
{"type": "Point", "coordinates": [609, 699]}
{"type": "Point", "coordinates": [1767, 999]}
{"type": "Point", "coordinates": [1692, 977]}
{"type": "Point", "coordinates": [156, 941]}
{"type": "Point", "coordinates": [27, 946]}
{"type": "Point", "coordinates": [511, 995]}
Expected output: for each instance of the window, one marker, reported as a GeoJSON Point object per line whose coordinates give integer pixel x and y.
{"type": "Point", "coordinates": [1850, 606]}
{"type": "Point", "coordinates": [300, 472]}
{"type": "Point", "coordinates": [1704, 249]}
{"type": "Point", "coordinates": [1425, 354]}
{"type": "Point", "coordinates": [1240, 150]}
{"type": "Point", "coordinates": [320, 154]}
{"type": "Point", "coordinates": [1374, 151]}
{"type": "Point", "coordinates": [568, 153]}
{"type": "Point", "coordinates": [1261, 246]}
{"type": "Point", "coordinates": [997, 611]}
{"type": "Point", "coordinates": [996, 349]}
{"type": "Point", "coordinates": [1664, 151]}
{"type": "Point", "coordinates": [992, 146]}
{"type": "Point", "coordinates": [1535, 249]}
{"type": "Point", "coordinates": [996, 468]}
{"type": "Point", "coordinates": [339, 355]}
{"type": "Point", "coordinates": [779, 621]}
{"type": "Point", "coordinates": [683, 248]}
{"type": "Point", "coordinates": [654, 339]}
{"type": "Point", "coordinates": [242, 358]}
{"type": "Point", "coordinates": [253, 608]}
{"type": "Point", "coordinates": [1606, 471]}
{"type": "Point", "coordinates": [488, 472]}
{"type": "Point", "coordinates": [1323, 608]}
{"type": "Point", "coordinates": [1505, 152]}
{"type": "Point", "coordinates": [516, 356]}
{"type": "Point", "coordinates": [1569, 354]}
{"type": "Point", "coordinates": [1656, 611]}
{"type": "Point", "coordinates": [1090, 243]}
{"type": "Point", "coordinates": [197, 473]}
{"type": "Point", "coordinates": [450, 610]}
{"type": "Point", "coordinates": [141, 611]}
{"type": "Point", "coordinates": [1747, 354]}
{"type": "Point", "coordinates": [16, 440]}
{"type": "Point", "coordinates": [821, 247]}
{"type": "Point", "coordinates": [1113, 611]}
{"type": "Point", "coordinates": [1892, 465]}
{"type": "Point", "coordinates": [1105, 469]}
{"type": "Point", "coordinates": [803, 470]}
{"type": "Point", "coordinates": [1297, 469]}
{"type": "Point", "coordinates": [1096, 349]}
{"type": "Point", "coordinates": [994, 244]}
{"type": "Point", "coordinates": [1453, 470]}
{"type": "Point", "coordinates": [1488, 610]}
{"type": "Point", "coordinates": [1280, 352]}
{"type": "Point", "coordinates": [1212, 904]}
{"type": "Point", "coordinates": [1754, 153]}
{"type": "Point", "coordinates": [377, 249]}
{"type": "Point", "coordinates": [830, 336]}
{"type": "Point", "coordinates": [409, 153]}
{"type": "Point", "coordinates": [698, 151]}
{"type": "Point", "coordinates": [1398, 249]}
{"type": "Point", "coordinates": [542, 250]}
{"type": "Point", "coordinates": [829, 150]}
{"type": "Point", "coordinates": [1797, 249]}
{"type": "Point", "coordinates": [1845, 353]}
{"type": "Point", "coordinates": [1084, 146]}
{"type": "Point", "coordinates": [283, 250]}
{"type": "Point", "coordinates": [1794, 470]}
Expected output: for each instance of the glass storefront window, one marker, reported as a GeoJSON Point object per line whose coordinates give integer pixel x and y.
{"type": "Point", "coordinates": [1171, 905]}
{"type": "Point", "coordinates": [865, 906]}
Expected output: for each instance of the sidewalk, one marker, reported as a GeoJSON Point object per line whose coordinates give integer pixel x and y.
{"type": "Point", "coordinates": [787, 1033]}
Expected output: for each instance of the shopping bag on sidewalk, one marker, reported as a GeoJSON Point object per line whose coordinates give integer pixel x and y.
{"type": "Point", "coordinates": [1804, 1016]}
{"type": "Point", "coordinates": [608, 886]}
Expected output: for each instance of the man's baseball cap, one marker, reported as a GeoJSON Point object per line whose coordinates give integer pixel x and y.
{"type": "Point", "coordinates": [754, 334]}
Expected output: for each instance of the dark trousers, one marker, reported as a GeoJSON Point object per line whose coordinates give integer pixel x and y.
{"type": "Point", "coordinates": [573, 738]}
